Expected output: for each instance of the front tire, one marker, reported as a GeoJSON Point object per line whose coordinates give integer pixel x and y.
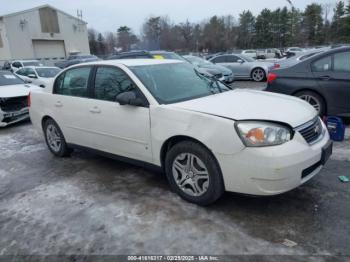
{"type": "Point", "coordinates": [193, 173]}
{"type": "Point", "coordinates": [258, 74]}
{"type": "Point", "coordinates": [54, 139]}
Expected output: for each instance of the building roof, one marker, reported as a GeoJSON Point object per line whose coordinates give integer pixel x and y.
{"type": "Point", "coordinates": [38, 7]}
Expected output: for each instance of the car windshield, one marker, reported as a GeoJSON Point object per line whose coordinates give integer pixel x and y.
{"type": "Point", "coordinates": [198, 61]}
{"type": "Point", "coordinates": [247, 58]}
{"type": "Point", "coordinates": [7, 78]}
{"type": "Point", "coordinates": [47, 72]}
{"type": "Point", "coordinates": [31, 63]}
{"type": "Point", "coordinates": [176, 82]}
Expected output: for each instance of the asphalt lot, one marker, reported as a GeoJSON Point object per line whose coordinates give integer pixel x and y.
{"type": "Point", "coordinates": [88, 204]}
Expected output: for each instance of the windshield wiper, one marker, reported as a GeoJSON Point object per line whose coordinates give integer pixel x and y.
{"type": "Point", "coordinates": [213, 80]}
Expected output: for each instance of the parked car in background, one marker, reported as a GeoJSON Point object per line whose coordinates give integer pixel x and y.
{"type": "Point", "coordinates": [13, 98]}
{"type": "Point", "coordinates": [292, 51]}
{"type": "Point", "coordinates": [244, 67]}
{"type": "Point", "coordinates": [251, 53]}
{"type": "Point", "coordinates": [323, 80]}
{"type": "Point", "coordinates": [131, 55]}
{"type": "Point", "coordinates": [220, 72]}
{"type": "Point", "coordinates": [284, 63]}
{"type": "Point", "coordinates": [204, 135]}
{"type": "Point", "coordinates": [39, 76]}
{"type": "Point", "coordinates": [13, 66]}
{"type": "Point", "coordinates": [166, 55]}
{"type": "Point", "coordinates": [268, 53]}
{"type": "Point", "coordinates": [76, 59]}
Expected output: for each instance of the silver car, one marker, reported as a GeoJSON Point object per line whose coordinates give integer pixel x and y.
{"type": "Point", "coordinates": [244, 67]}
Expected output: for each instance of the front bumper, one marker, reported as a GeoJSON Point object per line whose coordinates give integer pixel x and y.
{"type": "Point", "coordinates": [7, 118]}
{"type": "Point", "coordinates": [272, 170]}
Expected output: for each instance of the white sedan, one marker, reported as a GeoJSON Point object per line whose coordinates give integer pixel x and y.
{"type": "Point", "coordinates": [13, 99]}
{"type": "Point", "coordinates": [205, 136]}
{"type": "Point", "coordinates": [38, 75]}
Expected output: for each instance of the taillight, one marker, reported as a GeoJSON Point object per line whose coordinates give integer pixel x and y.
{"type": "Point", "coordinates": [271, 77]}
{"type": "Point", "coordinates": [29, 101]}
{"type": "Point", "coordinates": [276, 66]}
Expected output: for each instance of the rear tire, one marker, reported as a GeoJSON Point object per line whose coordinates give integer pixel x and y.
{"type": "Point", "coordinates": [313, 99]}
{"type": "Point", "coordinates": [54, 139]}
{"type": "Point", "coordinates": [193, 173]}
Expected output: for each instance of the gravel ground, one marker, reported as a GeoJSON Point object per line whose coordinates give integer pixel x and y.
{"type": "Point", "coordinates": [91, 205]}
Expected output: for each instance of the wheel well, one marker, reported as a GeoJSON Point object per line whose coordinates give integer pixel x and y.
{"type": "Point", "coordinates": [312, 91]}
{"type": "Point", "coordinates": [170, 142]}
{"type": "Point", "coordinates": [45, 118]}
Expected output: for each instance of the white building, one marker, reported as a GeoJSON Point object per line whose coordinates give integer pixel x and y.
{"type": "Point", "coordinates": [44, 33]}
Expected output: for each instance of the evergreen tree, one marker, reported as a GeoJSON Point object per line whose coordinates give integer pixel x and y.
{"type": "Point", "coordinates": [263, 28]}
{"type": "Point", "coordinates": [246, 30]}
{"type": "Point", "coordinates": [313, 24]}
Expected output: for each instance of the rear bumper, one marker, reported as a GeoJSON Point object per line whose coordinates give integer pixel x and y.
{"type": "Point", "coordinates": [272, 170]}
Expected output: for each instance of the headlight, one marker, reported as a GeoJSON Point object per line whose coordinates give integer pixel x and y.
{"type": "Point", "coordinates": [257, 134]}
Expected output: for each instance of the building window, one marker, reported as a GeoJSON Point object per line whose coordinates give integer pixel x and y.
{"type": "Point", "coordinates": [49, 20]}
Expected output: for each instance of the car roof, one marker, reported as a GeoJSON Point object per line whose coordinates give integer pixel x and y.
{"type": "Point", "coordinates": [133, 62]}
{"type": "Point", "coordinates": [25, 61]}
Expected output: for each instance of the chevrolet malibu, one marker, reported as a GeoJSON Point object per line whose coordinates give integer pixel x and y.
{"type": "Point", "coordinates": [206, 137]}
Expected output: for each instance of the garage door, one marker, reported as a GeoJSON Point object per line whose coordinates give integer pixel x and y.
{"type": "Point", "coordinates": [49, 49]}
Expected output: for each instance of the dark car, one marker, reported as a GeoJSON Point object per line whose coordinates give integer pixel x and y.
{"type": "Point", "coordinates": [131, 55]}
{"type": "Point", "coordinates": [76, 59]}
{"type": "Point", "coordinates": [166, 55]}
{"type": "Point", "coordinates": [323, 80]}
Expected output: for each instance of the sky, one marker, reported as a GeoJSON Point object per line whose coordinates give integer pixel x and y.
{"type": "Point", "coordinates": [108, 15]}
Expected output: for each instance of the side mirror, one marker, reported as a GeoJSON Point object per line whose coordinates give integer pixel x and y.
{"type": "Point", "coordinates": [240, 61]}
{"type": "Point", "coordinates": [129, 98]}
{"type": "Point", "coordinates": [32, 76]}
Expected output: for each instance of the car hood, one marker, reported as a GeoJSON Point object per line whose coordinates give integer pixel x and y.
{"type": "Point", "coordinates": [252, 105]}
{"type": "Point", "coordinates": [16, 90]}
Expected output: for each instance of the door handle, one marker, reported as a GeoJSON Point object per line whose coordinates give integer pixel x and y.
{"type": "Point", "coordinates": [58, 104]}
{"type": "Point", "coordinates": [95, 110]}
{"type": "Point", "coordinates": [325, 78]}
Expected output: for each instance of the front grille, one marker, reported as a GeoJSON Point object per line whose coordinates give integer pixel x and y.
{"type": "Point", "coordinates": [13, 103]}
{"type": "Point", "coordinates": [311, 131]}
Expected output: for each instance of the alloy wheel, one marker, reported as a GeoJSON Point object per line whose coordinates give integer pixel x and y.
{"type": "Point", "coordinates": [53, 138]}
{"type": "Point", "coordinates": [258, 75]}
{"type": "Point", "coordinates": [190, 174]}
{"type": "Point", "coordinates": [312, 101]}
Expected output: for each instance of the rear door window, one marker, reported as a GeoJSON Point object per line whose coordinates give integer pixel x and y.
{"type": "Point", "coordinates": [219, 59]}
{"type": "Point", "coordinates": [322, 65]}
{"type": "Point", "coordinates": [73, 82]}
{"type": "Point", "coordinates": [342, 62]}
{"type": "Point", "coordinates": [232, 59]}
